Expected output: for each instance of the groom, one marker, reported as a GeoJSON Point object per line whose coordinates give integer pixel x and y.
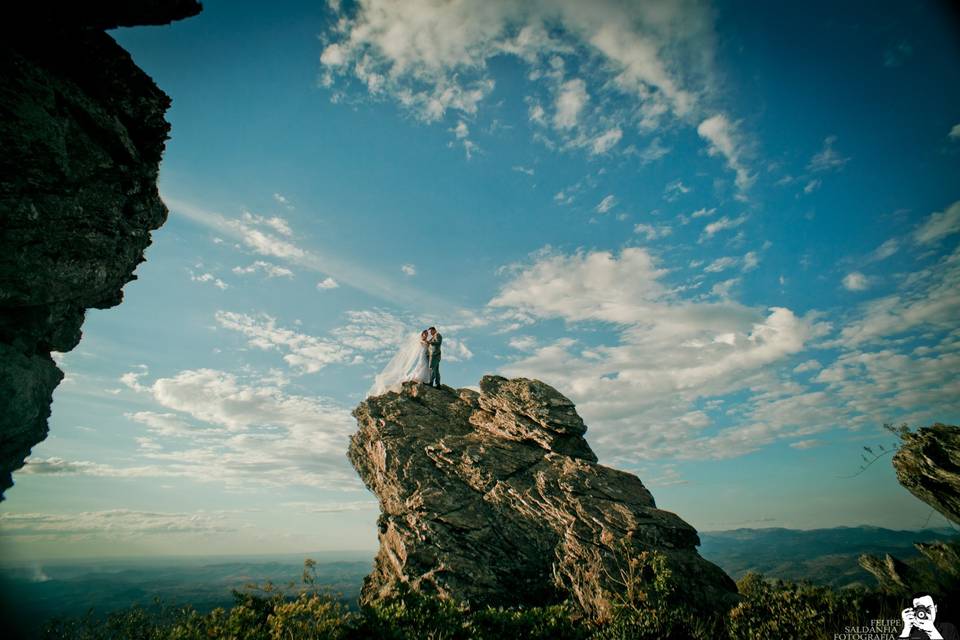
{"type": "Point", "coordinates": [434, 340]}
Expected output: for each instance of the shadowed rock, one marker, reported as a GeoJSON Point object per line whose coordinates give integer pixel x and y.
{"type": "Point", "coordinates": [82, 131]}
{"type": "Point", "coordinates": [496, 498]}
{"type": "Point", "coordinates": [928, 465]}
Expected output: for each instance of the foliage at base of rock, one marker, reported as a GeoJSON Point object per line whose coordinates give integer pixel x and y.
{"type": "Point", "coordinates": [643, 609]}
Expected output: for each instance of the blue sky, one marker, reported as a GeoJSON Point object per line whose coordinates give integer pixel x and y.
{"type": "Point", "coordinates": [728, 233]}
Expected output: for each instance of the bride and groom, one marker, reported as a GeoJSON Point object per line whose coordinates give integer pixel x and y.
{"type": "Point", "coordinates": [418, 360]}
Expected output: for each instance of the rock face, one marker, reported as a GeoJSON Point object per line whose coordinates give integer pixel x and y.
{"type": "Point", "coordinates": [928, 465]}
{"type": "Point", "coordinates": [82, 131]}
{"type": "Point", "coordinates": [496, 498]}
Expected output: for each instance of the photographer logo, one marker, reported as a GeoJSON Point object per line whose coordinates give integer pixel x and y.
{"type": "Point", "coordinates": [917, 622]}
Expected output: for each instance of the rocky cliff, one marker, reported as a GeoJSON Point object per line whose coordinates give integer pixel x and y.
{"type": "Point", "coordinates": [928, 465]}
{"type": "Point", "coordinates": [82, 131]}
{"type": "Point", "coordinates": [496, 498]}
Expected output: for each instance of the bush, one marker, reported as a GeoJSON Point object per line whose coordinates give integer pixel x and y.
{"type": "Point", "coordinates": [645, 605]}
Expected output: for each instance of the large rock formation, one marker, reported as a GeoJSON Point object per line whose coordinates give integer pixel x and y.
{"type": "Point", "coordinates": [496, 498]}
{"type": "Point", "coordinates": [928, 465]}
{"type": "Point", "coordinates": [82, 131]}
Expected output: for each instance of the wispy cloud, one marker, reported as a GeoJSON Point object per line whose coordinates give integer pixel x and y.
{"type": "Point", "coordinates": [668, 353]}
{"type": "Point", "coordinates": [283, 200]}
{"type": "Point", "coordinates": [828, 158]}
{"type": "Point", "coordinates": [209, 277]}
{"type": "Point", "coordinates": [245, 431]}
{"type": "Point", "coordinates": [726, 140]}
{"type": "Point", "coordinates": [112, 524]}
{"type": "Point", "coordinates": [608, 202]}
{"type": "Point", "coordinates": [652, 232]}
{"type": "Point", "coordinates": [347, 272]}
{"type": "Point", "coordinates": [268, 269]}
{"type": "Point", "coordinates": [722, 224]}
{"type": "Point", "coordinates": [327, 283]}
{"type": "Point", "coordinates": [856, 281]}
{"type": "Point", "coordinates": [433, 59]}
{"type": "Point", "coordinates": [939, 225]}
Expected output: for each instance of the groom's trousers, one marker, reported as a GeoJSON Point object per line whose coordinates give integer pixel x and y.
{"type": "Point", "coordinates": [435, 369]}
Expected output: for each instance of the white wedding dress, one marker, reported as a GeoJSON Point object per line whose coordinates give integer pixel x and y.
{"type": "Point", "coordinates": [409, 363]}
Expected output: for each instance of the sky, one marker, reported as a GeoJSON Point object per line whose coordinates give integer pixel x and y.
{"type": "Point", "coordinates": [728, 232]}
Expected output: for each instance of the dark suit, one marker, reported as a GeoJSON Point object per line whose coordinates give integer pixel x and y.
{"type": "Point", "coordinates": [433, 352]}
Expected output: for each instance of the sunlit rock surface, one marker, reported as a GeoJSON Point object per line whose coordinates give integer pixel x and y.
{"type": "Point", "coordinates": [496, 498]}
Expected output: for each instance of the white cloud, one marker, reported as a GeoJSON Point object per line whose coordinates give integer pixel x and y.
{"type": "Point", "coordinates": [276, 223]}
{"type": "Point", "coordinates": [806, 444]}
{"type": "Point", "coordinates": [939, 225]}
{"type": "Point", "coordinates": [668, 354]}
{"type": "Point", "coordinates": [855, 281]}
{"type": "Point", "coordinates": [263, 242]}
{"type": "Point", "coordinates": [722, 224]}
{"type": "Point", "coordinates": [954, 132]}
{"type": "Point", "coordinates": [303, 352]}
{"type": "Point", "coordinates": [521, 169]}
{"type": "Point", "coordinates": [409, 269]}
{"type": "Point", "coordinates": [433, 58]}
{"type": "Point", "coordinates": [609, 202]}
{"type": "Point", "coordinates": [928, 300]}
{"type": "Point", "coordinates": [722, 289]}
{"type": "Point", "coordinates": [462, 133]}
{"type": "Point", "coordinates": [112, 524]}
{"type": "Point", "coordinates": [245, 432]}
{"type": "Point", "coordinates": [808, 365]}
{"type": "Point", "coordinates": [348, 271]}
{"type": "Point", "coordinates": [721, 264]}
{"type": "Point", "coordinates": [884, 251]}
{"type": "Point", "coordinates": [653, 151]}
{"type": "Point", "coordinates": [606, 141]}
{"type": "Point", "coordinates": [373, 331]}
{"type": "Point", "coordinates": [209, 277]}
{"type": "Point", "coordinates": [327, 283]}
{"type": "Point", "coordinates": [283, 200]}
{"type": "Point", "coordinates": [331, 507]}
{"type": "Point", "coordinates": [652, 232]}
{"type": "Point", "coordinates": [811, 186]}
{"type": "Point", "coordinates": [725, 140]}
{"type": "Point", "coordinates": [703, 213]}
{"type": "Point", "coordinates": [570, 102]}
{"type": "Point", "coordinates": [674, 190]}
{"type": "Point", "coordinates": [538, 115]}
{"type": "Point", "coordinates": [268, 268]}
{"type": "Point", "coordinates": [827, 158]}
{"type": "Point", "coordinates": [457, 350]}
{"type": "Point", "coordinates": [59, 466]}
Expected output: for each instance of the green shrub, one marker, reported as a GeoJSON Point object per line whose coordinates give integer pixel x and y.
{"type": "Point", "coordinates": [644, 605]}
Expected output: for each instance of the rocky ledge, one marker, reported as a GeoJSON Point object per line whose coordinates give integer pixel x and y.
{"type": "Point", "coordinates": [496, 498]}
{"type": "Point", "coordinates": [82, 131]}
{"type": "Point", "coordinates": [928, 465]}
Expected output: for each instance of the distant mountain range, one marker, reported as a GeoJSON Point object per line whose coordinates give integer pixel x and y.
{"type": "Point", "coordinates": [31, 593]}
{"type": "Point", "coordinates": [824, 556]}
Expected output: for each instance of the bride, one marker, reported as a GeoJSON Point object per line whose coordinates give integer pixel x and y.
{"type": "Point", "coordinates": [409, 364]}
